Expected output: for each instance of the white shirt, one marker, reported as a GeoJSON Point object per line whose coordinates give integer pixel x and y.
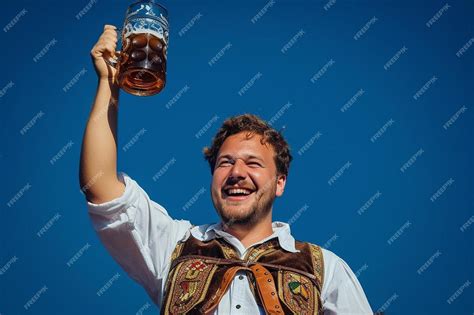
{"type": "Point", "coordinates": [141, 236]}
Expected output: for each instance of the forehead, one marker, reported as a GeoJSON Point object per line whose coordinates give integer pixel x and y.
{"type": "Point", "coordinates": [241, 145]}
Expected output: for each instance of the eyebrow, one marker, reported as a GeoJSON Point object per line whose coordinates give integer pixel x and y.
{"type": "Point", "coordinates": [247, 156]}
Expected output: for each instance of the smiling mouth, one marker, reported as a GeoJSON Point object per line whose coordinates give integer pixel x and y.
{"type": "Point", "coordinates": [237, 194]}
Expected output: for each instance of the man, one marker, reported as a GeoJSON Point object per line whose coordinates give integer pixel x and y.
{"type": "Point", "coordinates": [245, 264]}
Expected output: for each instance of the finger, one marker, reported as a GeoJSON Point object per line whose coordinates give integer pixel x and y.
{"type": "Point", "coordinates": [110, 49]}
{"type": "Point", "coordinates": [109, 27]}
{"type": "Point", "coordinates": [101, 49]}
{"type": "Point", "coordinates": [97, 50]}
{"type": "Point", "coordinates": [110, 32]}
{"type": "Point", "coordinates": [111, 35]}
{"type": "Point", "coordinates": [108, 39]}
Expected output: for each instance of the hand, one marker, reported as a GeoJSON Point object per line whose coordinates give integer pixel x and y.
{"type": "Point", "coordinates": [105, 49]}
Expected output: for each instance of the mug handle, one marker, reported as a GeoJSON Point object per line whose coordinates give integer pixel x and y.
{"type": "Point", "coordinates": [118, 54]}
{"type": "Point", "coordinates": [114, 61]}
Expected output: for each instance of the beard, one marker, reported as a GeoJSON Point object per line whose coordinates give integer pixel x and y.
{"type": "Point", "coordinates": [248, 212]}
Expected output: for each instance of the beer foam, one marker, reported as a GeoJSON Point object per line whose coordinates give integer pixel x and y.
{"type": "Point", "coordinates": [147, 25]}
{"type": "Point", "coordinates": [146, 31]}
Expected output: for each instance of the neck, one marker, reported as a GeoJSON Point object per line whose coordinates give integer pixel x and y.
{"type": "Point", "coordinates": [250, 234]}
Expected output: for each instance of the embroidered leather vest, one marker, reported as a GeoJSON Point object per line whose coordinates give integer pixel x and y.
{"type": "Point", "coordinates": [282, 282]}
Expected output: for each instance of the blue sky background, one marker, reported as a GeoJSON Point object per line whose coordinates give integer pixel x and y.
{"type": "Point", "coordinates": [441, 229]}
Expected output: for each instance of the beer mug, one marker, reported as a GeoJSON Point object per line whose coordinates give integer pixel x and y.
{"type": "Point", "coordinates": [141, 64]}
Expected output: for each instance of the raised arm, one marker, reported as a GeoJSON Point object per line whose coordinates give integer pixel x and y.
{"type": "Point", "coordinates": [98, 162]}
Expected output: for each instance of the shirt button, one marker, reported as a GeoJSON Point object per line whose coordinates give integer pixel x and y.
{"type": "Point", "coordinates": [241, 277]}
{"type": "Point", "coordinates": [237, 306]}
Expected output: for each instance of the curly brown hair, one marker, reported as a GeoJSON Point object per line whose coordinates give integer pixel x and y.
{"type": "Point", "coordinates": [253, 125]}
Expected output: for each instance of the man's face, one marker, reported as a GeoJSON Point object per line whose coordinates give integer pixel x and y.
{"type": "Point", "coordinates": [245, 181]}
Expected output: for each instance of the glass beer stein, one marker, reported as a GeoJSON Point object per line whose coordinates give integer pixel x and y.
{"type": "Point", "coordinates": [141, 64]}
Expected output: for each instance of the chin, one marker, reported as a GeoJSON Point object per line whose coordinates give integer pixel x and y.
{"type": "Point", "coordinates": [235, 215]}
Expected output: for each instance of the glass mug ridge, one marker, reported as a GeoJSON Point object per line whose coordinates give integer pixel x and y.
{"type": "Point", "coordinates": [141, 63]}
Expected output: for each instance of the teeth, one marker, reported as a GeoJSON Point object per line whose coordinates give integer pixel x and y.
{"type": "Point", "coordinates": [238, 191]}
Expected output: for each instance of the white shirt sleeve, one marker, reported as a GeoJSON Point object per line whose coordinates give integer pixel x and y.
{"type": "Point", "coordinates": [342, 293]}
{"type": "Point", "coordinates": [139, 234]}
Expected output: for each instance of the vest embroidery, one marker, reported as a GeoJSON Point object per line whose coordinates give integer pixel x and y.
{"type": "Point", "coordinates": [297, 292]}
{"type": "Point", "coordinates": [189, 285]}
{"type": "Point", "coordinates": [318, 263]}
{"type": "Point", "coordinates": [193, 283]}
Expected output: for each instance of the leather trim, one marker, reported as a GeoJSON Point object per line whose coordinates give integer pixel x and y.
{"type": "Point", "coordinates": [213, 302]}
{"type": "Point", "coordinates": [222, 261]}
{"type": "Point", "coordinates": [267, 290]}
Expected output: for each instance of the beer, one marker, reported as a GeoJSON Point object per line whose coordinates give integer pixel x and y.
{"type": "Point", "coordinates": [143, 64]}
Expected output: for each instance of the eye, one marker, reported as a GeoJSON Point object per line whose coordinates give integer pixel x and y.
{"type": "Point", "coordinates": [224, 163]}
{"type": "Point", "coordinates": [254, 164]}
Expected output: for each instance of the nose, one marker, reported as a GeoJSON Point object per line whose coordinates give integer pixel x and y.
{"type": "Point", "coordinates": [237, 172]}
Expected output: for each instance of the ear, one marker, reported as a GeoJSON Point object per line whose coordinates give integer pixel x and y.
{"type": "Point", "coordinates": [281, 181]}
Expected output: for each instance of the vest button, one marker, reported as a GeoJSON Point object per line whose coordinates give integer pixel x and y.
{"type": "Point", "coordinates": [237, 306]}
{"type": "Point", "coordinates": [241, 277]}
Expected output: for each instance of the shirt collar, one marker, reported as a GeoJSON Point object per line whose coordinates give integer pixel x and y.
{"type": "Point", "coordinates": [281, 230]}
